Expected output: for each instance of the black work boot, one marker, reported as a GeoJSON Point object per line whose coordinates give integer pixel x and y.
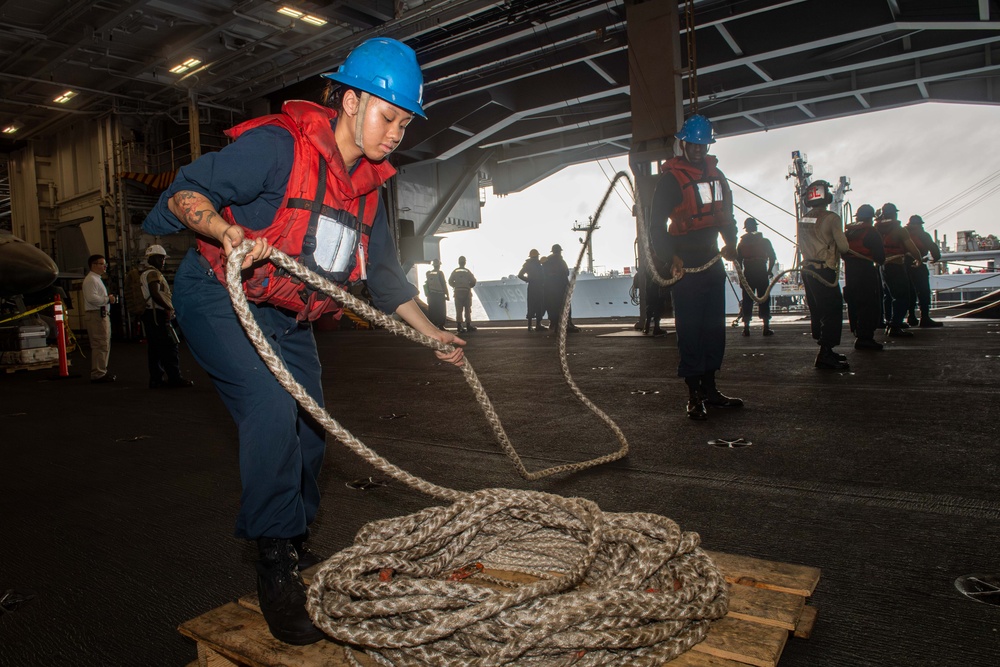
{"type": "Point", "coordinates": [696, 407]}
{"type": "Point", "coordinates": [696, 404]}
{"type": "Point", "coordinates": [712, 396]}
{"type": "Point", "coordinates": [927, 322]}
{"type": "Point", "coordinates": [830, 360]}
{"type": "Point", "coordinates": [307, 557]}
{"type": "Point", "coordinates": [768, 331]}
{"type": "Point", "coordinates": [897, 332]}
{"type": "Point", "coordinates": [282, 594]}
{"type": "Point", "coordinates": [530, 328]}
{"type": "Point", "coordinates": [867, 344]}
{"type": "Point", "coordinates": [538, 325]}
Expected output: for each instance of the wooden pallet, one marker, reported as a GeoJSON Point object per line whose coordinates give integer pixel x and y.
{"type": "Point", "coordinates": [767, 602]}
{"type": "Point", "coordinates": [32, 359]}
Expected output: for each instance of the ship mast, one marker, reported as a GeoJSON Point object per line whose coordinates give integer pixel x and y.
{"type": "Point", "coordinates": [589, 240]}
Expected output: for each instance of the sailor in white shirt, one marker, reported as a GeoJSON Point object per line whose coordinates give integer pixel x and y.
{"type": "Point", "coordinates": [96, 303]}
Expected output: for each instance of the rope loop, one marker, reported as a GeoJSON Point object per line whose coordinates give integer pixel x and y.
{"type": "Point", "coordinates": [596, 587]}
{"type": "Point", "coordinates": [285, 378]}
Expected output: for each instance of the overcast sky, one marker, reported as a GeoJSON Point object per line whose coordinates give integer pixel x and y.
{"type": "Point", "coordinates": [917, 157]}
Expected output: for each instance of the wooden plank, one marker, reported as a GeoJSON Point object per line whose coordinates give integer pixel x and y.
{"type": "Point", "coordinates": [251, 602]}
{"type": "Point", "coordinates": [806, 622]}
{"type": "Point", "coordinates": [767, 600]}
{"type": "Point", "coordinates": [743, 641]}
{"type": "Point", "coordinates": [209, 658]}
{"type": "Point", "coordinates": [697, 659]}
{"type": "Point", "coordinates": [755, 613]}
{"type": "Point", "coordinates": [242, 637]}
{"type": "Point", "coordinates": [786, 577]}
{"type": "Point", "coordinates": [764, 606]}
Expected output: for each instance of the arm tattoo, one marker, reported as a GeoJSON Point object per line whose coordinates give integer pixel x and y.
{"type": "Point", "coordinates": [195, 210]}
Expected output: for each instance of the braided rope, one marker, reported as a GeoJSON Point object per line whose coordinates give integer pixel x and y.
{"type": "Point", "coordinates": [284, 377]}
{"type": "Point", "coordinates": [647, 256]}
{"type": "Point", "coordinates": [608, 587]}
{"type": "Point", "coordinates": [613, 588]}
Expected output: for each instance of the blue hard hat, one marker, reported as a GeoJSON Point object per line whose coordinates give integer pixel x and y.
{"type": "Point", "coordinates": [697, 130]}
{"type": "Point", "coordinates": [385, 68]}
{"type": "Point", "coordinates": [865, 212]}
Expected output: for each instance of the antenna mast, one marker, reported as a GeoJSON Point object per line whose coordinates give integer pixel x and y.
{"type": "Point", "coordinates": [589, 240]}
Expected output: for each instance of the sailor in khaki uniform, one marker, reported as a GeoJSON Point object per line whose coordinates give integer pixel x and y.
{"type": "Point", "coordinates": [822, 242]}
{"type": "Point", "coordinates": [462, 281]}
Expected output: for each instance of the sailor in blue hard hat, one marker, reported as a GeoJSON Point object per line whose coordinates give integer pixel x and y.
{"type": "Point", "coordinates": [692, 206]}
{"type": "Point", "coordinates": [695, 136]}
{"type": "Point", "coordinates": [306, 181]}
{"type": "Point", "coordinates": [385, 71]}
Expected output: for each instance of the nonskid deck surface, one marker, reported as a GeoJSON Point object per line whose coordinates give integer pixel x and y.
{"type": "Point", "coordinates": [119, 501]}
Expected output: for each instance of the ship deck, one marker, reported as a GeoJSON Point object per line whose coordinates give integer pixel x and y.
{"type": "Point", "coordinates": [119, 501]}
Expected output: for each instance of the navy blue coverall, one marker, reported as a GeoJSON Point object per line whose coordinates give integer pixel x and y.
{"type": "Point", "coordinates": [699, 299]}
{"type": "Point", "coordinates": [281, 447]}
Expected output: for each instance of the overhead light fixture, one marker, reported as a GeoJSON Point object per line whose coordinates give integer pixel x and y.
{"type": "Point", "coordinates": [311, 19]}
{"type": "Point", "coordinates": [65, 97]}
{"type": "Point", "coordinates": [185, 66]}
{"type": "Point", "coordinates": [11, 129]}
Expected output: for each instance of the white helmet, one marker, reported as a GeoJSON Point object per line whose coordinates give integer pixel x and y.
{"type": "Point", "coordinates": [155, 250]}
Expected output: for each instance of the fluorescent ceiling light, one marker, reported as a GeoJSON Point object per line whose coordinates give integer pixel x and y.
{"type": "Point", "coordinates": [306, 18]}
{"type": "Point", "coordinates": [185, 66]}
{"type": "Point", "coordinates": [10, 129]}
{"type": "Point", "coordinates": [65, 97]}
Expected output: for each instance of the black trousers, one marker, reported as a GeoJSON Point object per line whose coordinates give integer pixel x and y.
{"type": "Point", "coordinates": [162, 354]}
{"type": "Point", "coordinates": [758, 280]}
{"type": "Point", "coordinates": [555, 299]}
{"type": "Point", "coordinates": [536, 302]}
{"type": "Point", "coordinates": [896, 296]}
{"type": "Point", "coordinates": [700, 319]}
{"type": "Point", "coordinates": [437, 311]}
{"type": "Point", "coordinates": [920, 289]}
{"type": "Point", "coordinates": [863, 295]}
{"type": "Point", "coordinates": [826, 306]}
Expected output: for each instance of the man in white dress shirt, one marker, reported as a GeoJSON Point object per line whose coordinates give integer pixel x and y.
{"type": "Point", "coordinates": [97, 317]}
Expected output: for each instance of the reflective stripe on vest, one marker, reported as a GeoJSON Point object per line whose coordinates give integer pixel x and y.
{"type": "Point", "coordinates": [317, 185]}
{"type": "Point", "coordinates": [702, 196]}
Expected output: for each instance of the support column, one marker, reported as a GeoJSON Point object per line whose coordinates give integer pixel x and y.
{"type": "Point", "coordinates": [654, 62]}
{"type": "Point", "coordinates": [193, 127]}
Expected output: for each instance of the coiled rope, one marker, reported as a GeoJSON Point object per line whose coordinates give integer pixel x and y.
{"type": "Point", "coordinates": [611, 588]}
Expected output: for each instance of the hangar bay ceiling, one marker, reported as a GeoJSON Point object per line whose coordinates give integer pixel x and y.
{"type": "Point", "coordinates": [514, 90]}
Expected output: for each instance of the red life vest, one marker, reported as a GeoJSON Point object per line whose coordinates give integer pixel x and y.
{"type": "Point", "coordinates": [893, 246]}
{"type": "Point", "coordinates": [753, 246]}
{"type": "Point", "coordinates": [856, 234]}
{"type": "Point", "coordinates": [702, 196]}
{"type": "Point", "coordinates": [918, 240]}
{"type": "Point", "coordinates": [340, 196]}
